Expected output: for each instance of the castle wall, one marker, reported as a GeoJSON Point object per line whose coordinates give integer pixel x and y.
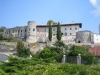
{"type": "Point", "coordinates": [83, 37]}
{"type": "Point", "coordinates": [16, 32]}
{"type": "Point", "coordinates": [34, 33]}
{"type": "Point", "coordinates": [31, 32]}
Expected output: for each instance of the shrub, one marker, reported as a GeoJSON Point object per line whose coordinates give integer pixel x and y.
{"type": "Point", "coordinates": [22, 51]}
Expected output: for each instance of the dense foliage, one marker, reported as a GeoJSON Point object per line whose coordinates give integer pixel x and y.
{"type": "Point", "coordinates": [38, 67]}
{"type": "Point", "coordinates": [51, 22]}
{"type": "Point", "coordinates": [2, 29]}
{"type": "Point", "coordinates": [50, 54]}
{"type": "Point", "coordinates": [87, 58]}
{"type": "Point", "coordinates": [22, 51]}
{"type": "Point", "coordinates": [50, 32]}
{"type": "Point", "coordinates": [59, 32]}
{"type": "Point", "coordinates": [1, 37]}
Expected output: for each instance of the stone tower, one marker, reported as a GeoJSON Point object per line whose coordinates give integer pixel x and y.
{"type": "Point", "coordinates": [31, 32]}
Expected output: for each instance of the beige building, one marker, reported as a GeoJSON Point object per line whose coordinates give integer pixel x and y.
{"type": "Point", "coordinates": [39, 33]}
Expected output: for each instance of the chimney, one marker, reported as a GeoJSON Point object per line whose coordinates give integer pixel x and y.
{"type": "Point", "coordinates": [42, 23]}
{"type": "Point", "coordinates": [72, 21]}
{"type": "Point", "coordinates": [61, 22]}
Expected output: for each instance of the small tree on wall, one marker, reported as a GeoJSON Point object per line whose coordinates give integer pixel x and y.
{"type": "Point", "coordinates": [50, 32]}
{"type": "Point", "coordinates": [58, 32]}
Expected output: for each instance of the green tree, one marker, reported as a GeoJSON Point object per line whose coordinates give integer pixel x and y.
{"type": "Point", "coordinates": [21, 50]}
{"type": "Point", "coordinates": [51, 22]}
{"type": "Point", "coordinates": [2, 29]}
{"type": "Point", "coordinates": [50, 32]}
{"type": "Point", "coordinates": [87, 57]}
{"type": "Point", "coordinates": [59, 32]}
{"type": "Point", "coordinates": [59, 46]}
{"type": "Point", "coordinates": [1, 37]}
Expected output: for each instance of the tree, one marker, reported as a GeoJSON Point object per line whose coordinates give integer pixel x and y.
{"type": "Point", "coordinates": [87, 57]}
{"type": "Point", "coordinates": [21, 50]}
{"type": "Point", "coordinates": [2, 29]}
{"type": "Point", "coordinates": [51, 22]}
{"type": "Point", "coordinates": [50, 32]}
{"type": "Point", "coordinates": [58, 32]}
{"type": "Point", "coordinates": [59, 46]}
{"type": "Point", "coordinates": [1, 37]}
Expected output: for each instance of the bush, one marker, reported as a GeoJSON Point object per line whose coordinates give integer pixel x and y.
{"type": "Point", "coordinates": [87, 58]}
{"type": "Point", "coordinates": [49, 54]}
{"type": "Point", "coordinates": [22, 51]}
{"type": "Point", "coordinates": [1, 37]}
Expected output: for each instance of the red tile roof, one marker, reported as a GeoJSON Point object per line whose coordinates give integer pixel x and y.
{"type": "Point", "coordinates": [95, 50]}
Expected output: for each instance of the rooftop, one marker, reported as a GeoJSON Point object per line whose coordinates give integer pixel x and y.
{"type": "Point", "coordinates": [95, 50]}
{"type": "Point", "coordinates": [80, 25]}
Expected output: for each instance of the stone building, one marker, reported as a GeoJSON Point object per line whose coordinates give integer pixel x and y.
{"type": "Point", "coordinates": [39, 33]}
{"type": "Point", "coordinates": [87, 37]}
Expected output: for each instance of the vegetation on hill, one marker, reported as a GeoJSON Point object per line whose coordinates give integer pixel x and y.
{"type": "Point", "coordinates": [22, 51]}
{"type": "Point", "coordinates": [38, 67]}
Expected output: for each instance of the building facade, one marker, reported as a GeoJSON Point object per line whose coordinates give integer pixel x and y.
{"type": "Point", "coordinates": [87, 37]}
{"type": "Point", "coordinates": [39, 33]}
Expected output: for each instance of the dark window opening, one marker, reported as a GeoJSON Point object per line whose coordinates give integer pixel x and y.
{"type": "Point", "coordinates": [29, 29]}
{"type": "Point", "coordinates": [70, 33]}
{"type": "Point", "coordinates": [33, 29]}
{"type": "Point", "coordinates": [25, 30]}
{"type": "Point", "coordinates": [65, 34]}
{"type": "Point", "coordinates": [54, 34]}
{"type": "Point", "coordinates": [65, 29]}
{"type": "Point", "coordinates": [21, 30]}
{"type": "Point", "coordinates": [53, 29]}
{"type": "Point", "coordinates": [70, 28]}
{"type": "Point", "coordinates": [61, 33]}
{"type": "Point", "coordinates": [75, 28]}
{"type": "Point", "coordinates": [79, 41]}
{"type": "Point", "coordinates": [18, 31]}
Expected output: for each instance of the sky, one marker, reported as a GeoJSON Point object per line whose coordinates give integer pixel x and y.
{"type": "Point", "coordinates": [18, 12]}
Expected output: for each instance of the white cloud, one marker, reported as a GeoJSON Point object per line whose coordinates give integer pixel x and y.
{"type": "Point", "coordinates": [96, 4]}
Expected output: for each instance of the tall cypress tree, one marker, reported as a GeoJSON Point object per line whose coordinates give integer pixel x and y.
{"type": "Point", "coordinates": [50, 32]}
{"type": "Point", "coordinates": [58, 32]}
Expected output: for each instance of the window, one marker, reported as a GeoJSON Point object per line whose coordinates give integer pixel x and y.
{"type": "Point", "coordinates": [21, 30]}
{"type": "Point", "coordinates": [13, 31]}
{"type": "Point", "coordinates": [45, 29]}
{"type": "Point", "coordinates": [18, 31]}
{"type": "Point", "coordinates": [53, 29]}
{"type": "Point", "coordinates": [70, 28]}
{"type": "Point", "coordinates": [29, 29]}
{"type": "Point", "coordinates": [61, 33]}
{"type": "Point", "coordinates": [33, 29]}
{"type": "Point", "coordinates": [25, 30]}
{"type": "Point", "coordinates": [38, 29]}
{"type": "Point", "coordinates": [65, 29]}
{"type": "Point", "coordinates": [65, 34]}
{"type": "Point", "coordinates": [54, 34]}
{"type": "Point", "coordinates": [75, 28]}
{"type": "Point", "coordinates": [70, 33]}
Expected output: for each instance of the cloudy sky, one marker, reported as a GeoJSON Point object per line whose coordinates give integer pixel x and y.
{"type": "Point", "coordinates": [19, 12]}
